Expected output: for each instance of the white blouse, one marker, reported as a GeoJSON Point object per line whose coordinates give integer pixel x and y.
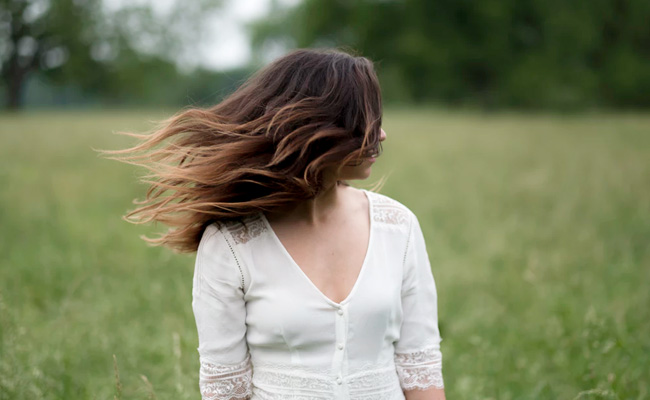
{"type": "Point", "coordinates": [267, 332]}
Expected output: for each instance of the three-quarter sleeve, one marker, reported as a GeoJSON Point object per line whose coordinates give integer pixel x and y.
{"type": "Point", "coordinates": [220, 314]}
{"type": "Point", "coordinates": [418, 359]}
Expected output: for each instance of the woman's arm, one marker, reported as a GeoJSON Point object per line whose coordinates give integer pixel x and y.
{"type": "Point", "coordinates": [418, 358]}
{"type": "Point", "coordinates": [428, 394]}
{"type": "Point", "coordinates": [220, 312]}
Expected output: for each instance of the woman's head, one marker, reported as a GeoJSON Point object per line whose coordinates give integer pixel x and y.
{"type": "Point", "coordinates": [295, 127]}
{"type": "Point", "coordinates": [318, 107]}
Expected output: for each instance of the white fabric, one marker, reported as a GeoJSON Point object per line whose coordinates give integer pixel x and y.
{"type": "Point", "coordinates": [267, 332]}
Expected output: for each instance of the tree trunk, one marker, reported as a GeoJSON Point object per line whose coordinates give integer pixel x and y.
{"type": "Point", "coordinates": [14, 91]}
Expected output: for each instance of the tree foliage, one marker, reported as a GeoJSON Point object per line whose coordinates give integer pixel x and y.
{"type": "Point", "coordinates": [42, 35]}
{"type": "Point", "coordinates": [120, 54]}
{"type": "Point", "coordinates": [526, 53]}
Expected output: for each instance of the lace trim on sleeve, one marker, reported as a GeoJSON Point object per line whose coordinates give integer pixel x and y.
{"type": "Point", "coordinates": [420, 369]}
{"type": "Point", "coordinates": [225, 381]}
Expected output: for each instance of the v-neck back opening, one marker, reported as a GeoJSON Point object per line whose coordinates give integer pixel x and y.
{"type": "Point", "coordinates": [295, 265]}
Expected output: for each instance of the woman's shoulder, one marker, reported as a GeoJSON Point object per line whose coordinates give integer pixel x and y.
{"type": "Point", "coordinates": [238, 231]}
{"type": "Point", "coordinates": [224, 240]}
{"type": "Point", "coordinates": [390, 212]}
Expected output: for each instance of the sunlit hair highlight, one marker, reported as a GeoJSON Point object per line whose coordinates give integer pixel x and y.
{"type": "Point", "coordinates": [265, 146]}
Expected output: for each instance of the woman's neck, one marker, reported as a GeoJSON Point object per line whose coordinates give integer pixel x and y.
{"type": "Point", "coordinates": [316, 210]}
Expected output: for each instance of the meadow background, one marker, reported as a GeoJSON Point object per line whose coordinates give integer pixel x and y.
{"type": "Point", "coordinates": [537, 226]}
{"type": "Point", "coordinates": [518, 132]}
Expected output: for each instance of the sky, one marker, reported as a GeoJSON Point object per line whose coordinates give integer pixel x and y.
{"type": "Point", "coordinates": [230, 46]}
{"type": "Point", "coordinates": [226, 44]}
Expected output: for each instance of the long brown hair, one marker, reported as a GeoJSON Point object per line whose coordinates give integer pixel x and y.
{"type": "Point", "coordinates": [265, 146]}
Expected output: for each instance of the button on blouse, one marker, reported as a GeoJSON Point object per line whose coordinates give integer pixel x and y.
{"type": "Point", "coordinates": [267, 332]}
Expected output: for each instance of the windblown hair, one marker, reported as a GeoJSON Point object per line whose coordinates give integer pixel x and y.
{"type": "Point", "coordinates": [265, 146]}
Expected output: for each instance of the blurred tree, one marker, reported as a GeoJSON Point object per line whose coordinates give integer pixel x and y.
{"type": "Point", "coordinates": [112, 53]}
{"type": "Point", "coordinates": [525, 53]}
{"type": "Point", "coordinates": [42, 35]}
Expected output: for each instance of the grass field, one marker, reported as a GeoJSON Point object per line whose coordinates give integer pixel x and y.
{"type": "Point", "coordinates": [538, 230]}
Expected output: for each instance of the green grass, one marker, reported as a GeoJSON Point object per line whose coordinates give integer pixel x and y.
{"type": "Point", "coordinates": [538, 230]}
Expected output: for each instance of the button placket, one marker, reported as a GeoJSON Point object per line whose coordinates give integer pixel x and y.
{"type": "Point", "coordinates": [339, 352]}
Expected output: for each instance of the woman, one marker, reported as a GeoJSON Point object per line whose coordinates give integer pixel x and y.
{"type": "Point", "coordinates": [304, 287]}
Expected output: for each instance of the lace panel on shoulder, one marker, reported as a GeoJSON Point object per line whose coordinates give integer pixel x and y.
{"type": "Point", "coordinates": [225, 381]}
{"type": "Point", "coordinates": [390, 215]}
{"type": "Point", "coordinates": [420, 369]}
{"type": "Point", "coordinates": [254, 226]}
{"type": "Point", "coordinates": [389, 211]}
